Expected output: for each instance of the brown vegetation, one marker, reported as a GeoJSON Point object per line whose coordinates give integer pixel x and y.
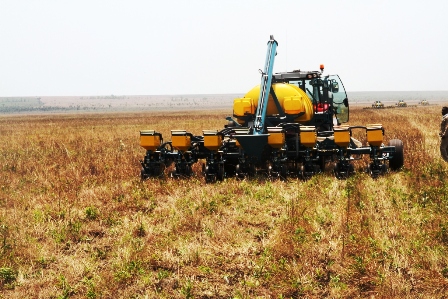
{"type": "Point", "coordinates": [77, 222]}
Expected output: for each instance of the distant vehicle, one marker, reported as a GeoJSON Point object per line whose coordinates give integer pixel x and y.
{"type": "Point", "coordinates": [424, 103]}
{"type": "Point", "coordinates": [377, 105]}
{"type": "Point", "coordinates": [401, 103]}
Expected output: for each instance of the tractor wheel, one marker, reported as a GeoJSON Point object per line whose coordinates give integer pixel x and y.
{"type": "Point", "coordinates": [398, 157]}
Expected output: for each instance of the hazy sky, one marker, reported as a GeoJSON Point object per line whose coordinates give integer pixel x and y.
{"type": "Point", "coordinates": [136, 47]}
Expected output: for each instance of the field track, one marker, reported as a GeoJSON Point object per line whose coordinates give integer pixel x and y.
{"type": "Point", "coordinates": [77, 222]}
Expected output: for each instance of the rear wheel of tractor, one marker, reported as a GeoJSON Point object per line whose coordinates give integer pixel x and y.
{"type": "Point", "coordinates": [398, 157]}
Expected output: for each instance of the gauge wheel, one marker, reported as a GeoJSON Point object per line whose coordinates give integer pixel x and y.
{"type": "Point", "coordinates": [239, 173]}
{"type": "Point", "coordinates": [283, 171]}
{"type": "Point", "coordinates": [143, 175]}
{"type": "Point", "coordinates": [188, 170]}
{"type": "Point", "coordinates": [221, 172]}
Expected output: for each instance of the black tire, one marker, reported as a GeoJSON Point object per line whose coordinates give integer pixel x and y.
{"type": "Point", "coordinates": [210, 178]}
{"type": "Point", "coordinates": [398, 157]}
{"type": "Point", "coordinates": [188, 170]}
{"type": "Point", "coordinates": [221, 173]}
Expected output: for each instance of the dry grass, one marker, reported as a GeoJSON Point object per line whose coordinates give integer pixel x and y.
{"type": "Point", "coordinates": [77, 222]}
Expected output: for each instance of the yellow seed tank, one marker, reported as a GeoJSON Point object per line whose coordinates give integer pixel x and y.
{"type": "Point", "coordinates": [292, 100]}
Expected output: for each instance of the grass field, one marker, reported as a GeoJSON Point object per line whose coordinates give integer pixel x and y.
{"type": "Point", "coordinates": [77, 222]}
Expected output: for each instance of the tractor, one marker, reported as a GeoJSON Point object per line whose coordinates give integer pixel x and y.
{"type": "Point", "coordinates": [293, 124]}
{"type": "Point", "coordinates": [401, 103]}
{"type": "Point", "coordinates": [377, 105]}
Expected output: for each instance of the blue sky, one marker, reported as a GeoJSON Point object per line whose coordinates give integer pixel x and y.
{"type": "Point", "coordinates": [136, 47]}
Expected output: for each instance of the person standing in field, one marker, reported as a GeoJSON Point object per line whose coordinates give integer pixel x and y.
{"type": "Point", "coordinates": [444, 134]}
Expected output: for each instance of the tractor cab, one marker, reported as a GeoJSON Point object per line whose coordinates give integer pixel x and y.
{"type": "Point", "coordinates": [327, 93]}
